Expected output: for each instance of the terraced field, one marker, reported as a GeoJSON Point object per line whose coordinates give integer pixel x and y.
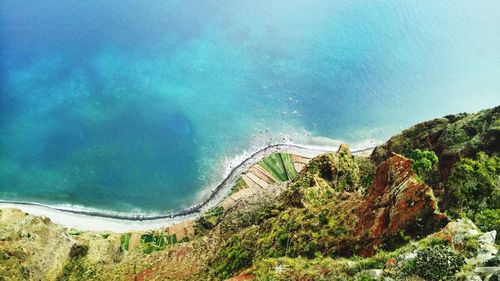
{"type": "Point", "coordinates": [276, 168]}
{"type": "Point", "coordinates": [280, 166]}
{"type": "Point", "coordinates": [157, 240]}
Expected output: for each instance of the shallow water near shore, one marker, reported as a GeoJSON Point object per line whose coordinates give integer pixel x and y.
{"type": "Point", "coordinates": [135, 107]}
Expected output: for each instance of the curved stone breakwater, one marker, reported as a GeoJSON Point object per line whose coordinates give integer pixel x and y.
{"type": "Point", "coordinates": [108, 220]}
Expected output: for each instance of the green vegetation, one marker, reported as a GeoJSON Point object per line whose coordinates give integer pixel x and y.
{"type": "Point", "coordinates": [328, 173]}
{"type": "Point", "coordinates": [76, 270]}
{"type": "Point", "coordinates": [435, 263]}
{"type": "Point", "coordinates": [366, 171]}
{"type": "Point", "coordinates": [210, 218]}
{"type": "Point", "coordinates": [475, 190]}
{"type": "Point", "coordinates": [451, 138]}
{"type": "Point", "coordinates": [236, 254]}
{"type": "Point", "coordinates": [151, 242]}
{"type": "Point", "coordinates": [280, 166]}
{"type": "Point", "coordinates": [431, 258]}
{"type": "Point", "coordinates": [322, 229]}
{"type": "Point", "coordinates": [475, 183]}
{"type": "Point", "coordinates": [487, 220]}
{"type": "Point", "coordinates": [424, 163]}
{"type": "Point", "coordinates": [322, 268]}
{"type": "Point", "coordinates": [303, 237]}
{"type": "Point", "coordinates": [274, 165]}
{"type": "Point", "coordinates": [303, 232]}
{"type": "Point", "coordinates": [125, 240]}
{"type": "Point", "coordinates": [470, 246]}
{"type": "Point", "coordinates": [288, 164]}
{"type": "Point", "coordinates": [75, 232]}
{"type": "Point", "coordinates": [239, 185]}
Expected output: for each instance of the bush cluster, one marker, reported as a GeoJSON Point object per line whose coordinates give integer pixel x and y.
{"type": "Point", "coordinates": [475, 183]}
{"type": "Point", "coordinates": [424, 163]}
{"type": "Point", "coordinates": [487, 220]}
{"type": "Point", "coordinates": [236, 254]}
{"type": "Point", "coordinates": [436, 263]}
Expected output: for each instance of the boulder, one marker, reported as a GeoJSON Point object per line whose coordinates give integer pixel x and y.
{"type": "Point", "coordinates": [487, 248]}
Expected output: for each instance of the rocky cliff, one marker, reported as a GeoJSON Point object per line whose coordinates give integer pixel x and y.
{"type": "Point", "coordinates": [397, 204]}
{"type": "Point", "coordinates": [338, 216]}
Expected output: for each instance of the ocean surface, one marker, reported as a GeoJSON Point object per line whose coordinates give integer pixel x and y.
{"type": "Point", "coordinates": [139, 106]}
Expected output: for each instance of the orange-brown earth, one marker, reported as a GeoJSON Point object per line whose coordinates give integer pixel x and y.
{"type": "Point", "coordinates": [397, 203]}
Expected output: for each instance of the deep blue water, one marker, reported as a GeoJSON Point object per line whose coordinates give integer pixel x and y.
{"type": "Point", "coordinates": [133, 105]}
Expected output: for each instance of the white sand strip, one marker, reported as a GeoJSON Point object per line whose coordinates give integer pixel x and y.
{"type": "Point", "coordinates": [95, 223]}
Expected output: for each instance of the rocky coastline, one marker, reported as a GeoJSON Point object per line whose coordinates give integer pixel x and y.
{"type": "Point", "coordinates": [114, 221]}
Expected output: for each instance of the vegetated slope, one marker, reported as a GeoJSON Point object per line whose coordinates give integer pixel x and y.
{"type": "Point", "coordinates": [324, 213]}
{"type": "Point", "coordinates": [451, 137]}
{"type": "Point", "coordinates": [466, 177]}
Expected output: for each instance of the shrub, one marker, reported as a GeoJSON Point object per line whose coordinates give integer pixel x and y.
{"type": "Point", "coordinates": [470, 246]}
{"type": "Point", "coordinates": [303, 232]}
{"type": "Point", "coordinates": [436, 263]}
{"type": "Point", "coordinates": [475, 183]}
{"type": "Point", "coordinates": [488, 220]}
{"type": "Point", "coordinates": [236, 254]}
{"type": "Point", "coordinates": [209, 219]}
{"type": "Point", "coordinates": [424, 163]}
{"type": "Point", "coordinates": [236, 258]}
{"type": "Point", "coordinates": [331, 171]}
{"type": "Point", "coordinates": [367, 172]}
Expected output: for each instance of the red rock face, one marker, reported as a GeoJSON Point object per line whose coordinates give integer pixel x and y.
{"type": "Point", "coordinates": [397, 203]}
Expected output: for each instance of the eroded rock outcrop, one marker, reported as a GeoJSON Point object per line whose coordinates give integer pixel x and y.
{"type": "Point", "coordinates": [324, 174]}
{"type": "Point", "coordinates": [397, 205]}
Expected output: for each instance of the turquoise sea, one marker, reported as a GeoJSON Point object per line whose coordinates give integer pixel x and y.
{"type": "Point", "coordinates": [135, 106]}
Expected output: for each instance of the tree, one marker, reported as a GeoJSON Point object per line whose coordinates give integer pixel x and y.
{"type": "Point", "coordinates": [424, 163]}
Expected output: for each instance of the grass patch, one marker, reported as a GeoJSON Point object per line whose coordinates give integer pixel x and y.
{"type": "Point", "coordinates": [240, 184]}
{"type": "Point", "coordinates": [280, 166]}
{"type": "Point", "coordinates": [74, 231]}
{"type": "Point", "coordinates": [125, 240]}
{"type": "Point", "coordinates": [289, 167]}
{"type": "Point", "coordinates": [151, 242]}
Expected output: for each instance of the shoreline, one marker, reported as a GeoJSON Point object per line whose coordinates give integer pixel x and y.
{"type": "Point", "coordinates": [102, 220]}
